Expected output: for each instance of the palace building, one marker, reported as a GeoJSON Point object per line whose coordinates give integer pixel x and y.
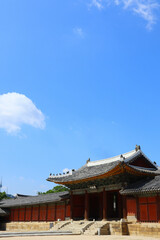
{"type": "Point", "coordinates": [123, 187]}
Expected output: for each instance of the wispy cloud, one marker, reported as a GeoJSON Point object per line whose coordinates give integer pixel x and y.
{"type": "Point", "coordinates": [146, 9]}
{"type": "Point", "coordinates": [4, 189]}
{"type": "Point", "coordinates": [96, 3]}
{"type": "Point", "coordinates": [21, 178]}
{"type": "Point", "coordinates": [79, 32]}
{"type": "Point", "coordinates": [66, 170]}
{"type": "Point", "coordinates": [15, 110]}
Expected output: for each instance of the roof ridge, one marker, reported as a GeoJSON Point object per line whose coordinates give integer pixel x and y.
{"type": "Point", "coordinates": [111, 159]}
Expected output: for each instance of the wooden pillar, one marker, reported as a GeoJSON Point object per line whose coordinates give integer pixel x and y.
{"type": "Point", "coordinates": [65, 210]}
{"type": "Point", "coordinates": [158, 208]}
{"type": "Point", "coordinates": [13, 214]}
{"type": "Point", "coordinates": [55, 211]}
{"type": "Point", "coordinates": [31, 212]}
{"type": "Point", "coordinates": [25, 214]}
{"type": "Point", "coordinates": [104, 204]}
{"type": "Point", "coordinates": [39, 213]}
{"type": "Point", "coordinates": [124, 207]}
{"type": "Point", "coordinates": [18, 213]}
{"type": "Point", "coordinates": [119, 205]}
{"type": "Point", "coordinates": [86, 206]}
{"type": "Point", "coordinates": [46, 212]}
{"type": "Point", "coordinates": [137, 206]}
{"type": "Point", "coordinates": [71, 205]}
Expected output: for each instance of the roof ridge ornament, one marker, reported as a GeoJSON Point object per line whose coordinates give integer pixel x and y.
{"type": "Point", "coordinates": [88, 160]}
{"type": "Point", "coordinates": [137, 147]}
{"type": "Point", "coordinates": [121, 156]}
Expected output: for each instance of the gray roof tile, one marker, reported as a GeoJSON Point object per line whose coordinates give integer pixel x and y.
{"type": "Point", "coordinates": [4, 212]}
{"type": "Point", "coordinates": [40, 199]}
{"type": "Point", "coordinates": [86, 172]}
{"type": "Point", "coordinates": [143, 186]}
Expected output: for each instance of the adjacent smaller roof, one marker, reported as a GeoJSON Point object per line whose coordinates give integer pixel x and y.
{"type": "Point", "coordinates": [40, 199]}
{"type": "Point", "coordinates": [3, 212]}
{"type": "Point", "coordinates": [143, 186]}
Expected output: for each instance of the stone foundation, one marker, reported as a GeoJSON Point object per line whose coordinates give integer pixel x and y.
{"type": "Point", "coordinates": [144, 229]}
{"type": "Point", "coordinates": [110, 228]}
{"type": "Point", "coordinates": [118, 228]}
{"type": "Point", "coordinates": [27, 226]}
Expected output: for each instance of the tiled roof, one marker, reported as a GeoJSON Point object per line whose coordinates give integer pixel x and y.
{"type": "Point", "coordinates": [40, 199]}
{"type": "Point", "coordinates": [97, 168]}
{"type": "Point", "coordinates": [143, 186]}
{"type": "Point", "coordinates": [86, 172]}
{"type": "Point", "coordinates": [4, 212]}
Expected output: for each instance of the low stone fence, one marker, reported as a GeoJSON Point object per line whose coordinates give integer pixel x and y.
{"type": "Point", "coordinates": [138, 229]}
{"type": "Point", "coordinates": [144, 229]}
{"type": "Point", "coordinates": [26, 226]}
{"type": "Point", "coordinates": [118, 228]}
{"type": "Point", "coordinates": [110, 228]}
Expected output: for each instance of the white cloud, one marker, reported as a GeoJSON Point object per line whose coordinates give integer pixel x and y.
{"type": "Point", "coordinates": [66, 170]}
{"type": "Point", "coordinates": [96, 3]}
{"type": "Point", "coordinates": [4, 189]}
{"type": "Point", "coordinates": [21, 178]}
{"type": "Point", "coordinates": [146, 9]}
{"type": "Point", "coordinates": [79, 32]}
{"type": "Point", "coordinates": [16, 109]}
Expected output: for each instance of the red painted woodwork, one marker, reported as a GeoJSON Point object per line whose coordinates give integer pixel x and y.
{"type": "Point", "coordinates": [95, 206]}
{"type": "Point", "coordinates": [21, 214]}
{"type": "Point", "coordinates": [151, 199]}
{"type": "Point", "coordinates": [152, 212]}
{"type": "Point", "coordinates": [35, 213]}
{"type": "Point", "coordinates": [143, 213]}
{"type": "Point", "coordinates": [143, 200]}
{"type": "Point", "coordinates": [11, 216]}
{"type": "Point", "coordinates": [71, 204]}
{"type": "Point", "coordinates": [120, 206]}
{"type": "Point", "coordinates": [104, 204]}
{"type": "Point", "coordinates": [112, 204]}
{"type": "Point", "coordinates": [42, 213]}
{"type": "Point", "coordinates": [78, 206]}
{"type": "Point", "coordinates": [68, 208]}
{"type": "Point", "coordinates": [148, 209]}
{"type": "Point", "coordinates": [60, 212]}
{"type": "Point", "coordinates": [138, 210]}
{"type": "Point", "coordinates": [101, 205]}
{"type": "Point", "coordinates": [124, 210]}
{"type": "Point", "coordinates": [28, 214]}
{"type": "Point", "coordinates": [86, 209]}
{"type": "Point", "coordinates": [16, 214]}
{"type": "Point", "coordinates": [158, 208]}
{"type": "Point", "coordinates": [131, 207]}
{"type": "Point", "coordinates": [51, 213]}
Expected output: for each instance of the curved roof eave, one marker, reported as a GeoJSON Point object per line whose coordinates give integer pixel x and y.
{"type": "Point", "coordinates": [119, 168]}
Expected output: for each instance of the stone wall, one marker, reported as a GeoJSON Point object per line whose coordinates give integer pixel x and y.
{"type": "Point", "coordinates": [27, 226]}
{"type": "Point", "coordinates": [118, 228]}
{"type": "Point", "coordinates": [144, 229]}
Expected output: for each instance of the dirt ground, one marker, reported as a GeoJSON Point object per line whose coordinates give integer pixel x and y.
{"type": "Point", "coordinates": [81, 237]}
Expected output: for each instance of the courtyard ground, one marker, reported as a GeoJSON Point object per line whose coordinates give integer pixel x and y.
{"type": "Point", "coordinates": [80, 237]}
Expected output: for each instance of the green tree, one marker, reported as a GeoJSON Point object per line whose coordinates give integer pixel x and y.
{"type": "Point", "coordinates": [3, 195]}
{"type": "Point", "coordinates": [56, 189]}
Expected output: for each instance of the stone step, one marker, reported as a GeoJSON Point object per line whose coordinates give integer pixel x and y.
{"type": "Point", "coordinates": [93, 229]}
{"type": "Point", "coordinates": [77, 226]}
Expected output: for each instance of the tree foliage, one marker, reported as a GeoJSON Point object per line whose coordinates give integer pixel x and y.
{"type": "Point", "coordinates": [56, 189]}
{"type": "Point", "coordinates": [3, 195]}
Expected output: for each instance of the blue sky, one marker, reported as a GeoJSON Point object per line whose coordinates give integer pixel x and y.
{"type": "Point", "coordinates": [78, 79]}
